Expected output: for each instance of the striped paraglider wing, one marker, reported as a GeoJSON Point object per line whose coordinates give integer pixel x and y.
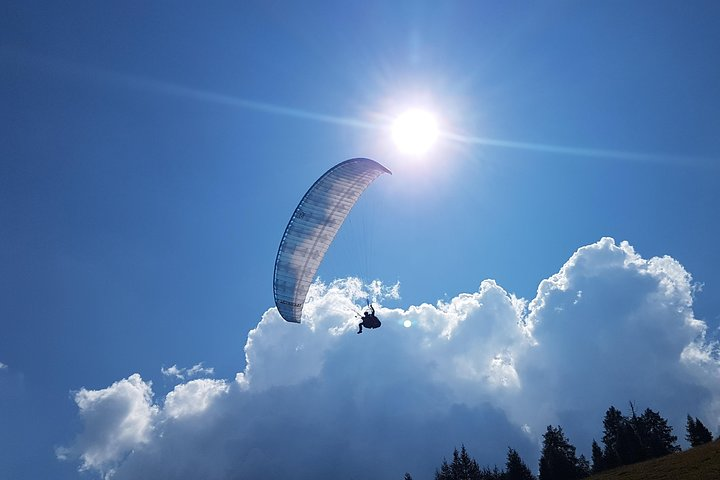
{"type": "Point", "coordinates": [313, 227]}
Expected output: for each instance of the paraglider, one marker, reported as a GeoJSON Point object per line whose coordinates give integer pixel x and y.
{"type": "Point", "coordinates": [312, 228]}
{"type": "Point", "coordinates": [369, 320]}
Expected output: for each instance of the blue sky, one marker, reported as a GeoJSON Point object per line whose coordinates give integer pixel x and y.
{"type": "Point", "coordinates": [152, 154]}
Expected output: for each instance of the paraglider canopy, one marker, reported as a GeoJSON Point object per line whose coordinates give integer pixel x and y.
{"type": "Point", "coordinates": [312, 228]}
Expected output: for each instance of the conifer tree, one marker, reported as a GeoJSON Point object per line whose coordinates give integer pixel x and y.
{"type": "Point", "coordinates": [612, 431]}
{"type": "Point", "coordinates": [515, 468]}
{"type": "Point", "coordinates": [584, 467]}
{"type": "Point", "coordinates": [598, 460]}
{"type": "Point", "coordinates": [463, 467]}
{"type": "Point", "coordinates": [697, 432]}
{"type": "Point", "coordinates": [495, 474]}
{"type": "Point", "coordinates": [634, 439]}
{"type": "Point", "coordinates": [630, 446]}
{"type": "Point", "coordinates": [655, 435]}
{"type": "Point", "coordinates": [558, 460]}
{"type": "Point", "coordinates": [703, 433]}
{"type": "Point", "coordinates": [444, 472]}
{"type": "Point", "coordinates": [623, 446]}
{"type": "Point", "coordinates": [690, 428]}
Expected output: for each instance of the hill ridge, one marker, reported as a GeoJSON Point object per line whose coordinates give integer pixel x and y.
{"type": "Point", "coordinates": [697, 463]}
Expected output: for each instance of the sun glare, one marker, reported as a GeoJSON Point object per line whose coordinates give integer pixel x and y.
{"type": "Point", "coordinates": [415, 131]}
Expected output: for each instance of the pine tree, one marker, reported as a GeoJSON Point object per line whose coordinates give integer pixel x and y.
{"type": "Point", "coordinates": [623, 438]}
{"type": "Point", "coordinates": [691, 430]}
{"type": "Point", "coordinates": [655, 435]}
{"type": "Point", "coordinates": [697, 433]}
{"type": "Point", "coordinates": [703, 433]}
{"type": "Point", "coordinates": [515, 468]}
{"type": "Point", "coordinates": [630, 447]}
{"type": "Point", "coordinates": [495, 474]}
{"type": "Point", "coordinates": [583, 467]}
{"type": "Point", "coordinates": [598, 459]}
{"type": "Point", "coordinates": [613, 424]}
{"type": "Point", "coordinates": [558, 460]}
{"type": "Point", "coordinates": [463, 467]}
{"type": "Point", "coordinates": [444, 472]}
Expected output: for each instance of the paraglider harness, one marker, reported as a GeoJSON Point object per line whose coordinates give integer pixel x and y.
{"type": "Point", "coordinates": [369, 320]}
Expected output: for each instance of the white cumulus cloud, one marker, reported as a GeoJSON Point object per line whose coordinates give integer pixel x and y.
{"type": "Point", "coordinates": [486, 369]}
{"type": "Point", "coordinates": [173, 371]}
{"type": "Point", "coordinates": [193, 397]}
{"type": "Point", "coordinates": [183, 373]}
{"type": "Point", "coordinates": [117, 420]}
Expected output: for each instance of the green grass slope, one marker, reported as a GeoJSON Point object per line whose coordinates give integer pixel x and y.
{"type": "Point", "coordinates": [699, 463]}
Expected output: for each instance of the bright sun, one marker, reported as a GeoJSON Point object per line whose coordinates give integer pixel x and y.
{"type": "Point", "coordinates": [415, 131]}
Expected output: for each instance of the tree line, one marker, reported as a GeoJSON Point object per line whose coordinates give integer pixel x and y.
{"type": "Point", "coordinates": [626, 439]}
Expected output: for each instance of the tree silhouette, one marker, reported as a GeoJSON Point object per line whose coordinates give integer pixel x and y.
{"type": "Point", "coordinates": [495, 474]}
{"type": "Point", "coordinates": [613, 426]}
{"type": "Point", "coordinates": [515, 468]}
{"type": "Point", "coordinates": [691, 429]}
{"type": "Point", "coordinates": [598, 459]}
{"type": "Point", "coordinates": [654, 434]}
{"type": "Point", "coordinates": [584, 466]}
{"type": "Point", "coordinates": [697, 433]}
{"type": "Point", "coordinates": [631, 441]}
{"type": "Point", "coordinates": [444, 472]}
{"type": "Point", "coordinates": [634, 439]}
{"type": "Point", "coordinates": [626, 440]}
{"type": "Point", "coordinates": [463, 467]}
{"type": "Point", "coordinates": [558, 460]}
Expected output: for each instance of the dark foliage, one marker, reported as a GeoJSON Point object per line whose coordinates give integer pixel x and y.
{"type": "Point", "coordinates": [626, 440]}
{"type": "Point", "coordinates": [612, 431]}
{"type": "Point", "coordinates": [598, 459]}
{"type": "Point", "coordinates": [633, 439]}
{"type": "Point", "coordinates": [654, 434]}
{"type": "Point", "coordinates": [463, 467]}
{"type": "Point", "coordinates": [630, 449]}
{"type": "Point", "coordinates": [487, 474]}
{"type": "Point", "coordinates": [515, 468]}
{"type": "Point", "coordinates": [584, 466]}
{"type": "Point", "coordinates": [697, 432]}
{"type": "Point", "coordinates": [444, 472]}
{"type": "Point", "coordinates": [558, 460]}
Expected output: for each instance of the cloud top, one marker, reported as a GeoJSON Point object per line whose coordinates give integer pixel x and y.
{"type": "Point", "coordinates": [117, 420]}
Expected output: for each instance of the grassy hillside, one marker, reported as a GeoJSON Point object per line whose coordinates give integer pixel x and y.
{"type": "Point", "coordinates": [699, 463]}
